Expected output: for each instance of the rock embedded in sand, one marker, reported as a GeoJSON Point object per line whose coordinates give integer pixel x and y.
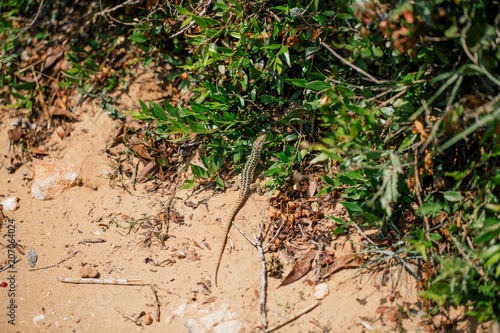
{"type": "Point", "coordinates": [11, 204]}
{"type": "Point", "coordinates": [51, 179]}
{"type": "Point", "coordinates": [147, 319]}
{"type": "Point", "coordinates": [88, 271]}
{"type": "Point", "coordinates": [321, 291]}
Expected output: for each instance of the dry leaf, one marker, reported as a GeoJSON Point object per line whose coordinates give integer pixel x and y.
{"type": "Point", "coordinates": [349, 261]}
{"type": "Point", "coordinates": [15, 133]}
{"type": "Point", "coordinates": [312, 188]}
{"type": "Point", "coordinates": [55, 111]}
{"type": "Point", "coordinates": [36, 150]}
{"type": "Point", "coordinates": [420, 129]}
{"type": "Point", "coordinates": [300, 268]}
{"type": "Point", "coordinates": [210, 300]}
{"type": "Point", "coordinates": [149, 168]}
{"type": "Point", "coordinates": [140, 150]}
{"type": "Point", "coordinates": [429, 165]}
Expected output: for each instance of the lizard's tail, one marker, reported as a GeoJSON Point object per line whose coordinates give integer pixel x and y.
{"type": "Point", "coordinates": [221, 251]}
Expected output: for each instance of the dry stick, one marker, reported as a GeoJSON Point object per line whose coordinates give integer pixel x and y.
{"type": "Point", "coordinates": [55, 265]}
{"type": "Point", "coordinates": [368, 76]}
{"type": "Point", "coordinates": [393, 98]}
{"type": "Point", "coordinates": [263, 276]}
{"type": "Point", "coordinates": [137, 322]}
{"type": "Point", "coordinates": [126, 3]}
{"type": "Point", "coordinates": [157, 304]}
{"type": "Point", "coordinates": [40, 97]}
{"type": "Point", "coordinates": [164, 232]}
{"type": "Point", "coordinates": [306, 310]}
{"type": "Point", "coordinates": [33, 21]}
{"type": "Point", "coordinates": [319, 245]}
{"type": "Point", "coordinates": [209, 2]}
{"type": "Point", "coordinates": [418, 189]}
{"type": "Point", "coordinates": [92, 241]}
{"type": "Point", "coordinates": [120, 282]}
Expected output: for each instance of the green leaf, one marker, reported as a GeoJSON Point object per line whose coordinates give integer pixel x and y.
{"type": "Point", "coordinates": [297, 82]}
{"type": "Point", "coordinates": [318, 85]}
{"type": "Point", "coordinates": [198, 171]}
{"type": "Point", "coordinates": [452, 196]}
{"type": "Point", "coordinates": [219, 182]}
{"type": "Point", "coordinates": [144, 107]}
{"type": "Point", "coordinates": [201, 21]}
{"type": "Point", "coordinates": [138, 37]}
{"type": "Point", "coordinates": [158, 112]}
{"type": "Point", "coordinates": [344, 16]}
{"type": "Point", "coordinates": [181, 10]}
{"type": "Point", "coordinates": [352, 208]}
{"type": "Point", "coordinates": [271, 47]}
{"type": "Point", "coordinates": [432, 208]}
{"type": "Point", "coordinates": [267, 99]}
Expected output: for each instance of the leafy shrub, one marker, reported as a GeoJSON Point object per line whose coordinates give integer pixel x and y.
{"type": "Point", "coordinates": [400, 97]}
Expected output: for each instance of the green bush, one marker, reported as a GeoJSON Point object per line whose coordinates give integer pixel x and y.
{"type": "Point", "coordinates": [402, 97]}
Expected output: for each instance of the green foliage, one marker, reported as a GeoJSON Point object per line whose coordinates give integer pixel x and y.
{"type": "Point", "coordinates": [403, 98]}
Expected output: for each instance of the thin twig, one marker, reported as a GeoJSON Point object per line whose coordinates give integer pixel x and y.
{"type": "Point", "coordinates": [368, 76]}
{"type": "Point", "coordinates": [263, 275]}
{"type": "Point", "coordinates": [157, 304]}
{"type": "Point", "coordinates": [362, 233]}
{"type": "Point", "coordinates": [275, 235]}
{"type": "Point", "coordinates": [55, 265]}
{"type": "Point", "coordinates": [126, 3]}
{"type": "Point", "coordinates": [137, 322]}
{"type": "Point", "coordinates": [164, 233]}
{"type": "Point", "coordinates": [92, 241]}
{"type": "Point", "coordinates": [298, 315]}
{"type": "Point", "coordinates": [120, 282]}
{"type": "Point", "coordinates": [32, 21]}
{"type": "Point", "coordinates": [41, 100]}
{"type": "Point", "coordinates": [393, 98]}
{"type": "Point", "coordinates": [319, 245]}
{"type": "Point", "coordinates": [209, 2]}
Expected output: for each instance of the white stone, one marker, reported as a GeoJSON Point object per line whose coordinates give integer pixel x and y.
{"type": "Point", "coordinates": [181, 310]}
{"type": "Point", "coordinates": [232, 326]}
{"type": "Point", "coordinates": [217, 317]}
{"type": "Point", "coordinates": [321, 291]}
{"type": "Point", "coordinates": [194, 326]}
{"type": "Point", "coordinates": [10, 204]}
{"type": "Point", "coordinates": [38, 318]}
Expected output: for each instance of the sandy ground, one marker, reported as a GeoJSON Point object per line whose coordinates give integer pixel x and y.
{"type": "Point", "coordinates": [54, 229]}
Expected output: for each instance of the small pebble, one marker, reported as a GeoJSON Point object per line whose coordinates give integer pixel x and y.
{"type": "Point", "coordinates": [88, 271]}
{"type": "Point", "coordinates": [147, 319]}
{"type": "Point", "coordinates": [321, 291]}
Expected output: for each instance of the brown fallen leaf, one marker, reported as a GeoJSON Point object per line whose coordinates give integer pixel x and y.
{"type": "Point", "coordinates": [312, 188]}
{"type": "Point", "coordinates": [36, 150]}
{"type": "Point", "coordinates": [210, 300]}
{"type": "Point", "coordinates": [55, 111]}
{"type": "Point", "coordinates": [140, 150]}
{"type": "Point", "coordinates": [300, 268]}
{"type": "Point", "coordinates": [149, 168]}
{"type": "Point", "coordinates": [51, 58]}
{"type": "Point", "coordinates": [20, 249]}
{"type": "Point", "coordinates": [349, 261]}
{"type": "Point", "coordinates": [381, 309]}
{"type": "Point", "coordinates": [28, 77]}
{"type": "Point", "coordinates": [15, 133]}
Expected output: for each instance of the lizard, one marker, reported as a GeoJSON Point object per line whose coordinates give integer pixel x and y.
{"type": "Point", "coordinates": [246, 184]}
